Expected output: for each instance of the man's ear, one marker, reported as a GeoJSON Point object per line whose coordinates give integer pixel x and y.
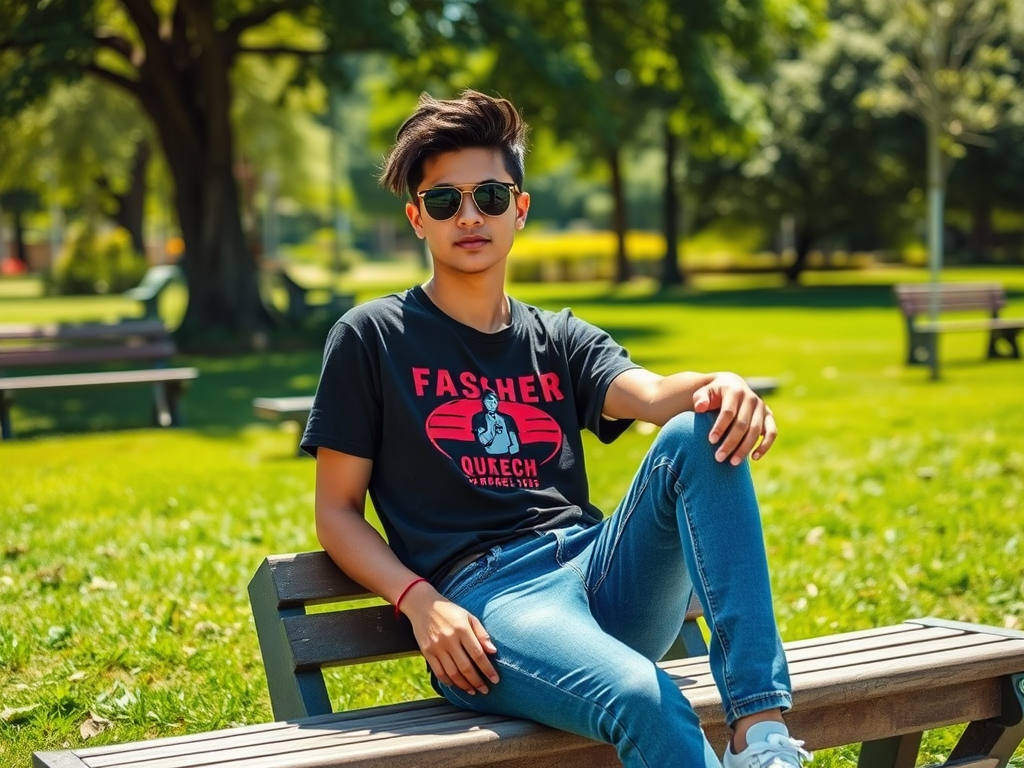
{"type": "Point", "coordinates": [412, 213]}
{"type": "Point", "coordinates": [522, 208]}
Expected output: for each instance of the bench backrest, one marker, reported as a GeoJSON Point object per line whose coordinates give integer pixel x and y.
{"type": "Point", "coordinates": [55, 344]}
{"type": "Point", "coordinates": [915, 298]}
{"type": "Point", "coordinates": [297, 645]}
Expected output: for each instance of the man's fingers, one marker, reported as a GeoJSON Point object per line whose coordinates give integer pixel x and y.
{"type": "Point", "coordinates": [746, 444]}
{"type": "Point", "coordinates": [739, 426]}
{"type": "Point", "coordinates": [480, 651]}
{"type": "Point", "coordinates": [770, 433]}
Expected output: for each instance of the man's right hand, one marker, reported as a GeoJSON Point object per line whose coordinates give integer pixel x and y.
{"type": "Point", "coordinates": [453, 641]}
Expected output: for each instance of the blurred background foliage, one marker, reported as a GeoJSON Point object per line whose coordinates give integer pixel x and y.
{"type": "Point", "coordinates": [668, 136]}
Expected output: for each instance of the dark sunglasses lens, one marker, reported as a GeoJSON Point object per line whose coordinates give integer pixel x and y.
{"type": "Point", "coordinates": [492, 199]}
{"type": "Point", "coordinates": [442, 203]}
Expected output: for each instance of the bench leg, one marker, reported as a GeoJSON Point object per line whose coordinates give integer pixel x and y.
{"type": "Point", "coordinates": [993, 742]}
{"type": "Point", "coordinates": [166, 403]}
{"type": "Point", "coordinates": [893, 752]}
{"type": "Point", "coordinates": [175, 389]}
{"type": "Point", "coordinates": [161, 404]}
{"type": "Point", "coordinates": [922, 347]}
{"type": "Point", "coordinates": [1002, 343]}
{"type": "Point", "coordinates": [302, 430]}
{"type": "Point", "coordinates": [6, 401]}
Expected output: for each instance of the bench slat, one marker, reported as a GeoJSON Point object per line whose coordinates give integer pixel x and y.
{"type": "Point", "coordinates": [82, 331]}
{"type": "Point", "coordinates": [99, 378]}
{"type": "Point", "coordinates": [30, 356]}
{"type": "Point", "coordinates": [832, 707]}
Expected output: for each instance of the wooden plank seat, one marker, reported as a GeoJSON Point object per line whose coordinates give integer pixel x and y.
{"type": "Point", "coordinates": [34, 347]}
{"type": "Point", "coordinates": [882, 687]}
{"type": "Point", "coordinates": [914, 300]}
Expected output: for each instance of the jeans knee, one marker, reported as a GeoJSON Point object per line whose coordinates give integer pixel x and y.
{"type": "Point", "coordinates": [687, 433]}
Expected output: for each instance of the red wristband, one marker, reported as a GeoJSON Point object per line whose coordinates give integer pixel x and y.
{"type": "Point", "coordinates": [405, 591]}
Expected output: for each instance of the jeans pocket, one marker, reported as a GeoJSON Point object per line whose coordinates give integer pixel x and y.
{"type": "Point", "coordinates": [469, 577]}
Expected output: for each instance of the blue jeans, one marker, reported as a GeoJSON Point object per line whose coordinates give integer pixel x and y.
{"type": "Point", "coordinates": [580, 615]}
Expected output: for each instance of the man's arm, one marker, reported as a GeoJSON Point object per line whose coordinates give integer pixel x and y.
{"type": "Point", "coordinates": [453, 641]}
{"type": "Point", "coordinates": [743, 418]}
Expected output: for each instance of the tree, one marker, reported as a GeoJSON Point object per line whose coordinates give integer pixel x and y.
{"type": "Point", "coordinates": [840, 174]}
{"type": "Point", "coordinates": [175, 60]}
{"type": "Point", "coordinates": [595, 72]}
{"type": "Point", "coordinates": [953, 67]}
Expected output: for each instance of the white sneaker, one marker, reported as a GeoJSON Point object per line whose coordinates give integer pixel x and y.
{"type": "Point", "coordinates": [769, 745]}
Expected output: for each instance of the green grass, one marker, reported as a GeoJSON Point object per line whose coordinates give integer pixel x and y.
{"type": "Point", "coordinates": [125, 554]}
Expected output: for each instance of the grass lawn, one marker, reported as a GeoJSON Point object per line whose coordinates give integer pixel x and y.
{"type": "Point", "coordinates": [126, 551]}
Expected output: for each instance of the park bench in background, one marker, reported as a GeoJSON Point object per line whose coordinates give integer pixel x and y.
{"type": "Point", "coordinates": [152, 285]}
{"type": "Point", "coordinates": [882, 687]}
{"type": "Point", "coordinates": [281, 409]}
{"type": "Point", "coordinates": [44, 347]}
{"type": "Point", "coordinates": [305, 302]}
{"type": "Point", "coordinates": [914, 301]}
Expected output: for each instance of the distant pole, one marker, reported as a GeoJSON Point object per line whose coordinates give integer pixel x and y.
{"type": "Point", "coordinates": [936, 198]}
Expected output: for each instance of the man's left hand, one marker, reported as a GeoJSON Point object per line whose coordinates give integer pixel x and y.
{"type": "Point", "coordinates": [743, 418]}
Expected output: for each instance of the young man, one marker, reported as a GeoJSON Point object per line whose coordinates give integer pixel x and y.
{"type": "Point", "coordinates": [523, 597]}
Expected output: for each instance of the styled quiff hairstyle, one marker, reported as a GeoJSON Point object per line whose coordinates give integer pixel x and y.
{"type": "Point", "coordinates": [472, 121]}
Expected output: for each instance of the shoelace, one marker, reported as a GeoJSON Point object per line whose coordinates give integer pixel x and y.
{"type": "Point", "coordinates": [777, 741]}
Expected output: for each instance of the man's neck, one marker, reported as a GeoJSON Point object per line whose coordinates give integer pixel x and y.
{"type": "Point", "coordinates": [482, 306]}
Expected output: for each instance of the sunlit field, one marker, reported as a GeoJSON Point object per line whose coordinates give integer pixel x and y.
{"type": "Point", "coordinates": [126, 550]}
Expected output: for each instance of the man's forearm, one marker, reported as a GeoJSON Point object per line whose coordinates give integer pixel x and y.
{"type": "Point", "coordinates": [361, 552]}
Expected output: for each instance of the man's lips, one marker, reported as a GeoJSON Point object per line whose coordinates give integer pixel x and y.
{"type": "Point", "coordinates": [471, 241]}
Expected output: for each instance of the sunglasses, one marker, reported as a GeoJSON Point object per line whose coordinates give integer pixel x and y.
{"type": "Point", "coordinates": [490, 198]}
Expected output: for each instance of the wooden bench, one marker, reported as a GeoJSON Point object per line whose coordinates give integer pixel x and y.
{"type": "Point", "coordinates": [28, 346]}
{"type": "Point", "coordinates": [914, 301]}
{"type": "Point", "coordinates": [300, 306]}
{"type": "Point", "coordinates": [882, 687]}
{"type": "Point", "coordinates": [281, 409]}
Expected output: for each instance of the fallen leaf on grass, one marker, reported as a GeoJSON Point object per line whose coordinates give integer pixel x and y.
{"type": "Point", "coordinates": [94, 725]}
{"type": "Point", "coordinates": [12, 715]}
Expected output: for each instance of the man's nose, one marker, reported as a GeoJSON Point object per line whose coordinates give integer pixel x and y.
{"type": "Point", "coordinates": [468, 212]}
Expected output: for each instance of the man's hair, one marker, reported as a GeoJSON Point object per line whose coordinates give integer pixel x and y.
{"type": "Point", "coordinates": [472, 121]}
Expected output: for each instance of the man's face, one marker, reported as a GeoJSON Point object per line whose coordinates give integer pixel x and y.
{"type": "Point", "coordinates": [469, 242]}
{"type": "Point", "coordinates": [491, 403]}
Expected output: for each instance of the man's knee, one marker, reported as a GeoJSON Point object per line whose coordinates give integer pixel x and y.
{"type": "Point", "coordinates": [689, 431]}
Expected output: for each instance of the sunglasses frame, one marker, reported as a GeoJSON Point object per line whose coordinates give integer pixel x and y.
{"type": "Point", "coordinates": [511, 186]}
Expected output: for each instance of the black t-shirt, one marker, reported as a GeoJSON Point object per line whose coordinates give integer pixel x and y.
{"type": "Point", "coordinates": [475, 437]}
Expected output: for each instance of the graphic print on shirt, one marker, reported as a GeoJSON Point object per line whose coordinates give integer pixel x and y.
{"type": "Point", "coordinates": [490, 428]}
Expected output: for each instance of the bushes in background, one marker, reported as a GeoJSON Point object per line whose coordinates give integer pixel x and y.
{"type": "Point", "coordinates": [97, 262]}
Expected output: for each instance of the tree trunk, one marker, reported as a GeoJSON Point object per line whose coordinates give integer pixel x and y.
{"type": "Point", "coordinates": [803, 239]}
{"type": "Point", "coordinates": [670, 272]}
{"type": "Point", "coordinates": [183, 86]}
{"type": "Point", "coordinates": [20, 248]}
{"type": "Point", "coordinates": [619, 217]}
{"type": "Point", "coordinates": [132, 204]}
